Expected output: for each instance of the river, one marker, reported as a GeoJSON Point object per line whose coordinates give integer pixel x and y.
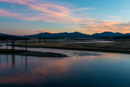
{"type": "Point", "coordinates": [79, 69]}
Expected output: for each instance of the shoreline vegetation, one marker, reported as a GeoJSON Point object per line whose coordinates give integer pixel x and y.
{"type": "Point", "coordinates": [31, 53]}
{"type": "Point", "coordinates": [115, 47]}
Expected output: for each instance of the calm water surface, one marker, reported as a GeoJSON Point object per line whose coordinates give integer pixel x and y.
{"type": "Point", "coordinates": [80, 69]}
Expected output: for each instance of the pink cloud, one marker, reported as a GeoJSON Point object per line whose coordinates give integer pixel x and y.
{"type": "Point", "coordinates": [60, 14]}
{"type": "Point", "coordinates": [102, 26]}
{"type": "Point", "coordinates": [82, 9]}
{"type": "Point", "coordinates": [6, 13]}
{"type": "Point", "coordinates": [48, 12]}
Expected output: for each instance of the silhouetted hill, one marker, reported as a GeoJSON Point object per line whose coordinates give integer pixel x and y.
{"type": "Point", "coordinates": [10, 37]}
{"type": "Point", "coordinates": [108, 34]}
{"type": "Point", "coordinates": [40, 35]}
{"type": "Point", "coordinates": [58, 35]}
{"type": "Point", "coordinates": [71, 35]}
{"type": "Point", "coordinates": [2, 34]}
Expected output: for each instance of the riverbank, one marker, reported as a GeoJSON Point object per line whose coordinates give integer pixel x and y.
{"type": "Point", "coordinates": [11, 51]}
{"type": "Point", "coordinates": [116, 47]}
{"type": "Point", "coordinates": [31, 53]}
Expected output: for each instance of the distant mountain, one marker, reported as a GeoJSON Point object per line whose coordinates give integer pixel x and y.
{"type": "Point", "coordinates": [109, 34]}
{"type": "Point", "coordinates": [40, 35]}
{"type": "Point", "coordinates": [71, 35]}
{"type": "Point", "coordinates": [2, 34]}
{"type": "Point", "coordinates": [10, 37]}
{"type": "Point", "coordinates": [58, 35]}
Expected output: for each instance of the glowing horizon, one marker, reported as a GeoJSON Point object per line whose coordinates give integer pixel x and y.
{"type": "Point", "coordinates": [24, 17]}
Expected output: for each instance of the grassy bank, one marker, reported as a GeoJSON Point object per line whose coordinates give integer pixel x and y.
{"type": "Point", "coordinates": [11, 51]}
{"type": "Point", "coordinates": [117, 47]}
{"type": "Point", "coordinates": [31, 53]}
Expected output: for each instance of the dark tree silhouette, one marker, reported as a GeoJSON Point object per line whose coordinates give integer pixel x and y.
{"type": "Point", "coordinates": [7, 43]}
{"type": "Point", "coordinates": [13, 44]}
{"type": "Point", "coordinates": [25, 42]}
{"type": "Point", "coordinates": [40, 39]}
{"type": "Point", "coordinates": [44, 39]}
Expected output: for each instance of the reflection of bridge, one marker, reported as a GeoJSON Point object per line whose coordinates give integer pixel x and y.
{"type": "Point", "coordinates": [24, 60]}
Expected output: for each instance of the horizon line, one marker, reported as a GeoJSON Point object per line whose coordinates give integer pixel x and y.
{"type": "Point", "coordinates": [63, 32]}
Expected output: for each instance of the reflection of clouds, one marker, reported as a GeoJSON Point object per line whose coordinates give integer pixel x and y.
{"type": "Point", "coordinates": [4, 66]}
{"type": "Point", "coordinates": [85, 54]}
{"type": "Point", "coordinates": [53, 67]}
{"type": "Point", "coordinates": [14, 79]}
{"type": "Point", "coordinates": [113, 57]}
{"type": "Point", "coordinates": [4, 62]}
{"type": "Point", "coordinates": [7, 61]}
{"type": "Point", "coordinates": [43, 69]}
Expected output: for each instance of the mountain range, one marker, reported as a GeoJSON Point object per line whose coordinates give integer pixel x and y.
{"type": "Point", "coordinates": [71, 35]}
{"type": "Point", "coordinates": [109, 34]}
{"type": "Point", "coordinates": [58, 35]}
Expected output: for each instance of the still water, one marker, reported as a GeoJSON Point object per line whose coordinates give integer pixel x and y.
{"type": "Point", "coordinates": [80, 69]}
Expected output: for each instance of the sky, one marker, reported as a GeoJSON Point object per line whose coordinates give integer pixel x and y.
{"type": "Point", "coordinates": [25, 17]}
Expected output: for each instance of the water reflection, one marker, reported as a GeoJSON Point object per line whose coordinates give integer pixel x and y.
{"type": "Point", "coordinates": [12, 62]}
{"type": "Point", "coordinates": [105, 70]}
{"type": "Point", "coordinates": [26, 63]}
{"type": "Point", "coordinates": [7, 60]}
{"type": "Point", "coordinates": [0, 60]}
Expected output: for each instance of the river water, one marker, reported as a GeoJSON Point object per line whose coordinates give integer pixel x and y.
{"type": "Point", "coordinates": [79, 69]}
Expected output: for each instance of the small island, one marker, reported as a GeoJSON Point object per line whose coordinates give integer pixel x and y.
{"type": "Point", "coordinates": [32, 53]}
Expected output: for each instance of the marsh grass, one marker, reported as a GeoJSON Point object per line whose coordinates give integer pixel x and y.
{"type": "Point", "coordinates": [117, 46]}
{"type": "Point", "coordinates": [11, 51]}
{"type": "Point", "coordinates": [31, 53]}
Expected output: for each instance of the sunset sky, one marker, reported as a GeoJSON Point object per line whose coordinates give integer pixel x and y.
{"type": "Point", "coordinates": [23, 17]}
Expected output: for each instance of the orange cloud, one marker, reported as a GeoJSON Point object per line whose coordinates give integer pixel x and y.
{"type": "Point", "coordinates": [95, 26]}
{"type": "Point", "coordinates": [48, 12]}
{"type": "Point", "coordinates": [60, 14]}
{"type": "Point", "coordinates": [44, 31]}
{"type": "Point", "coordinates": [6, 13]}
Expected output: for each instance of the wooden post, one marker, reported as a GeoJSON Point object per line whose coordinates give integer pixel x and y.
{"type": "Point", "coordinates": [25, 44]}
{"type": "Point", "coordinates": [7, 43]}
{"type": "Point", "coordinates": [13, 61]}
{"type": "Point", "coordinates": [13, 44]}
{"type": "Point", "coordinates": [40, 39]}
{"type": "Point", "coordinates": [44, 39]}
